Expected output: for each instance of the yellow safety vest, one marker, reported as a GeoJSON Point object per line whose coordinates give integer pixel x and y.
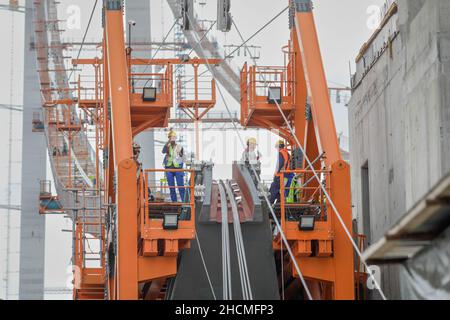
{"type": "Point", "coordinates": [171, 159]}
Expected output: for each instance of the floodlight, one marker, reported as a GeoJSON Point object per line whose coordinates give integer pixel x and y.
{"type": "Point", "coordinates": [274, 94]}
{"type": "Point", "coordinates": [149, 94]}
{"type": "Point", "coordinates": [306, 223]}
{"type": "Point", "coordinates": [170, 221]}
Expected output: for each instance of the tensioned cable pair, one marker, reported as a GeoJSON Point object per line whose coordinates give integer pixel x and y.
{"type": "Point", "coordinates": [315, 175]}
{"type": "Point", "coordinates": [310, 164]}
{"type": "Point", "coordinates": [164, 42]}
{"type": "Point", "coordinates": [224, 191]}
{"type": "Point", "coordinates": [284, 239]}
{"type": "Point", "coordinates": [85, 34]}
{"type": "Point", "coordinates": [240, 249]}
{"type": "Point", "coordinates": [226, 264]}
{"type": "Point", "coordinates": [250, 38]}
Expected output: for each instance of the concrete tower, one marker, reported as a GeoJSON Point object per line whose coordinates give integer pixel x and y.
{"type": "Point", "coordinates": [32, 225]}
{"type": "Point", "coordinates": [139, 12]}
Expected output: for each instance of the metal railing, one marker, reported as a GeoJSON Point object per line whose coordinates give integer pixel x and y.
{"type": "Point", "coordinates": [162, 81]}
{"type": "Point", "coordinates": [300, 194]}
{"type": "Point", "coordinates": [156, 196]}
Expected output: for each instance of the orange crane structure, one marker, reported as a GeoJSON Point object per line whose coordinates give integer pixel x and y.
{"type": "Point", "coordinates": [137, 252]}
{"type": "Point", "coordinates": [144, 251]}
{"type": "Point", "coordinates": [299, 89]}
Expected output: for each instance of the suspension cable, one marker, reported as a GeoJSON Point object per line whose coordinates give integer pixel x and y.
{"type": "Point", "coordinates": [282, 235]}
{"type": "Point", "coordinates": [317, 176]}
{"type": "Point", "coordinates": [250, 38]}
{"type": "Point", "coordinates": [159, 48]}
{"type": "Point", "coordinates": [164, 40]}
{"type": "Point", "coordinates": [201, 39]}
{"type": "Point", "coordinates": [226, 265]}
{"type": "Point", "coordinates": [224, 252]}
{"type": "Point", "coordinates": [204, 265]}
{"type": "Point", "coordinates": [240, 249]}
{"type": "Point", "coordinates": [84, 36]}
{"type": "Point", "coordinates": [257, 32]}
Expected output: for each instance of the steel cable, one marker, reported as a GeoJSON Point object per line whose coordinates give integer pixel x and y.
{"type": "Point", "coordinates": [315, 172]}
{"type": "Point", "coordinates": [226, 265]}
{"type": "Point", "coordinates": [84, 36]}
{"type": "Point", "coordinates": [250, 38]}
{"type": "Point", "coordinates": [204, 265]}
{"type": "Point", "coordinates": [242, 257]}
{"type": "Point", "coordinates": [282, 235]}
{"type": "Point", "coordinates": [159, 48]}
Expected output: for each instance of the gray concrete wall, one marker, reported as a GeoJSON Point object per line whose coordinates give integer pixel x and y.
{"type": "Point", "coordinates": [139, 11]}
{"type": "Point", "coordinates": [400, 121]}
{"type": "Point", "coordinates": [32, 225]}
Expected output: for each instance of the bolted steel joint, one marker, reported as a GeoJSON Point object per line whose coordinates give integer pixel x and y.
{"type": "Point", "coordinates": [303, 5]}
{"type": "Point", "coordinates": [308, 112]}
{"type": "Point", "coordinates": [113, 4]}
{"type": "Point", "coordinates": [298, 6]}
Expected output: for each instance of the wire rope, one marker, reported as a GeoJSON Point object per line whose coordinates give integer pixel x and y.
{"type": "Point", "coordinates": [282, 235]}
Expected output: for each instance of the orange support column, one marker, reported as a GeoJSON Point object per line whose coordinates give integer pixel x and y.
{"type": "Point", "coordinates": [119, 93]}
{"type": "Point", "coordinates": [120, 154]}
{"type": "Point", "coordinates": [300, 90]}
{"type": "Point", "coordinates": [315, 80]}
{"type": "Point", "coordinates": [127, 224]}
{"type": "Point", "coordinates": [343, 251]}
{"type": "Point", "coordinates": [323, 128]}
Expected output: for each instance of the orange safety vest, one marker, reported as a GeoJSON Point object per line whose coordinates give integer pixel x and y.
{"type": "Point", "coordinates": [287, 161]}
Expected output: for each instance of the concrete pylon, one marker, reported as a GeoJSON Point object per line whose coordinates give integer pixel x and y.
{"type": "Point", "coordinates": [32, 225]}
{"type": "Point", "coordinates": [139, 12]}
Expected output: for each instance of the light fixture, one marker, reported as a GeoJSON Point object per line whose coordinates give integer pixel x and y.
{"type": "Point", "coordinates": [185, 214]}
{"type": "Point", "coordinates": [149, 94]}
{"type": "Point", "coordinates": [130, 24]}
{"type": "Point", "coordinates": [184, 58]}
{"type": "Point", "coordinates": [306, 223]}
{"type": "Point", "coordinates": [274, 94]}
{"type": "Point", "coordinates": [170, 221]}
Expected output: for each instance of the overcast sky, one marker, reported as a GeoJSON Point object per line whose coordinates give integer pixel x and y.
{"type": "Point", "coordinates": [342, 25]}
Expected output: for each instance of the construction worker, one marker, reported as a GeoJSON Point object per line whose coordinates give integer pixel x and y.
{"type": "Point", "coordinates": [250, 154]}
{"type": "Point", "coordinates": [65, 149]}
{"type": "Point", "coordinates": [136, 151]}
{"type": "Point", "coordinates": [283, 163]}
{"type": "Point", "coordinates": [93, 179]}
{"type": "Point", "coordinates": [174, 159]}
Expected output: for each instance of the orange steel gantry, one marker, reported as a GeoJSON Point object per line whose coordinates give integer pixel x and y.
{"type": "Point", "coordinates": [138, 253]}
{"type": "Point", "coordinates": [325, 254]}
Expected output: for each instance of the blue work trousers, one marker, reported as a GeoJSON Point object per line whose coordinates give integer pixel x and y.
{"type": "Point", "coordinates": [179, 177]}
{"type": "Point", "coordinates": [275, 187]}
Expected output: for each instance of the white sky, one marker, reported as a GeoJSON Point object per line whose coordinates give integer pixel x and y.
{"type": "Point", "coordinates": [342, 26]}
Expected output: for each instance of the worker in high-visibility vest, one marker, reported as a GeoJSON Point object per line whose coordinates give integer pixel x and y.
{"type": "Point", "coordinates": [136, 151]}
{"type": "Point", "coordinates": [93, 179]}
{"type": "Point", "coordinates": [174, 159]}
{"type": "Point", "coordinates": [294, 193]}
{"type": "Point", "coordinates": [283, 163]}
{"type": "Point", "coordinates": [250, 154]}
